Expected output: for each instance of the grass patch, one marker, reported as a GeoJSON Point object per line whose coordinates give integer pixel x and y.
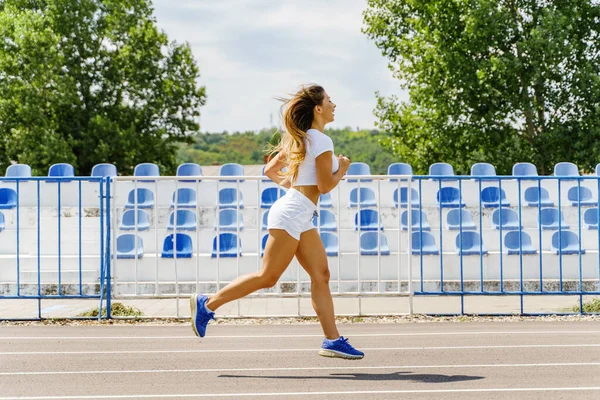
{"type": "Point", "coordinates": [116, 310]}
{"type": "Point", "coordinates": [592, 306]}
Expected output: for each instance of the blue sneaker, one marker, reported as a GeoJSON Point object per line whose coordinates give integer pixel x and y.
{"type": "Point", "coordinates": [200, 317]}
{"type": "Point", "coordinates": [340, 348]}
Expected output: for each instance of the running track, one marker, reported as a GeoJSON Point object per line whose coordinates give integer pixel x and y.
{"type": "Point", "coordinates": [523, 360]}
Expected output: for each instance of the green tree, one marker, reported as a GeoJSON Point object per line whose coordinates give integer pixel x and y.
{"type": "Point", "coordinates": [90, 81]}
{"type": "Point", "coordinates": [498, 81]}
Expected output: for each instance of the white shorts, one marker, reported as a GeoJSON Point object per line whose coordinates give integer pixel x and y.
{"type": "Point", "coordinates": [293, 213]}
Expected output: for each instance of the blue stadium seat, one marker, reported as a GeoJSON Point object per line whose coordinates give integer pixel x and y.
{"type": "Point", "coordinates": [511, 243]}
{"type": "Point", "coordinates": [270, 195]}
{"type": "Point", "coordinates": [566, 242]}
{"type": "Point", "coordinates": [325, 201]}
{"type": "Point", "coordinates": [363, 197]}
{"type": "Point", "coordinates": [61, 170]}
{"type": "Point", "coordinates": [581, 195]}
{"type": "Point", "coordinates": [2, 223]}
{"type": "Point", "coordinates": [145, 198]}
{"type": "Point", "coordinates": [404, 198]}
{"type": "Point", "coordinates": [399, 169]}
{"type": "Point", "coordinates": [368, 244]}
{"type": "Point", "coordinates": [598, 169]}
{"type": "Point", "coordinates": [508, 218]}
{"type": "Point", "coordinates": [483, 169]}
{"type": "Point", "coordinates": [265, 219]}
{"type": "Point", "coordinates": [265, 178]}
{"type": "Point", "coordinates": [441, 169]}
{"type": "Point", "coordinates": [419, 220]}
{"type": "Point", "coordinates": [331, 243]}
{"type": "Point", "coordinates": [228, 198]}
{"type": "Point", "coordinates": [590, 218]}
{"type": "Point", "coordinates": [146, 169]}
{"type": "Point", "coordinates": [102, 170]}
{"type": "Point", "coordinates": [492, 197]}
{"type": "Point", "coordinates": [369, 220]}
{"type": "Point", "coordinates": [449, 197]}
{"type": "Point", "coordinates": [566, 169]}
{"type": "Point", "coordinates": [424, 243]}
{"type": "Point", "coordinates": [359, 168]}
{"type": "Point", "coordinates": [453, 220]}
{"type": "Point", "coordinates": [177, 245]}
{"type": "Point", "coordinates": [184, 197]}
{"type": "Point", "coordinates": [182, 220]}
{"type": "Point", "coordinates": [231, 169]}
{"type": "Point", "coordinates": [326, 221]}
{"type": "Point", "coordinates": [189, 169]}
{"type": "Point", "coordinates": [228, 220]}
{"type": "Point", "coordinates": [263, 244]}
{"type": "Point", "coordinates": [8, 199]}
{"type": "Point", "coordinates": [126, 246]}
{"type": "Point", "coordinates": [18, 171]}
{"type": "Point", "coordinates": [229, 244]}
{"type": "Point", "coordinates": [534, 197]}
{"type": "Point", "coordinates": [550, 218]}
{"type": "Point", "coordinates": [128, 220]}
{"type": "Point", "coordinates": [524, 169]}
{"type": "Point", "coordinates": [469, 242]}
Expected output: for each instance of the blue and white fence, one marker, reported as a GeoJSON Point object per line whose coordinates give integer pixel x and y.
{"type": "Point", "coordinates": [510, 236]}
{"type": "Point", "coordinates": [54, 236]}
{"type": "Point", "coordinates": [385, 237]}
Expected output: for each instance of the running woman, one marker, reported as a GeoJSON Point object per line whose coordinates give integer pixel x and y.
{"type": "Point", "coordinates": [312, 170]}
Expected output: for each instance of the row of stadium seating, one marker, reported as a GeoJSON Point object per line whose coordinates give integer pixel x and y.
{"type": "Point", "coordinates": [562, 169]}
{"type": "Point", "coordinates": [364, 220]}
{"type": "Point", "coordinates": [491, 197]}
{"type": "Point", "coordinates": [179, 245]}
{"type": "Point", "coordinates": [447, 197]}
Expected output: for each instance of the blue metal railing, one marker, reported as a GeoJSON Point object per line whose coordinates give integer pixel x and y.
{"type": "Point", "coordinates": [582, 283]}
{"type": "Point", "coordinates": [34, 198]}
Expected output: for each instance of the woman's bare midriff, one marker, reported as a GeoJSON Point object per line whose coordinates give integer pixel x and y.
{"type": "Point", "coordinates": [312, 192]}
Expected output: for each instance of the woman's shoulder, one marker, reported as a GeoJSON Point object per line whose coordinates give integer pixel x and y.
{"type": "Point", "coordinates": [318, 142]}
{"type": "Point", "coordinates": [318, 135]}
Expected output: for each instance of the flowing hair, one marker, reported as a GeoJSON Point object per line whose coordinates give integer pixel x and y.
{"type": "Point", "coordinates": [297, 116]}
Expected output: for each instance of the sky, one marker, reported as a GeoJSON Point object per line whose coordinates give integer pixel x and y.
{"type": "Point", "coordinates": [251, 51]}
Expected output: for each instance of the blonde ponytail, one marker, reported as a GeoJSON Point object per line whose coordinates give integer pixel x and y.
{"type": "Point", "coordinates": [297, 116]}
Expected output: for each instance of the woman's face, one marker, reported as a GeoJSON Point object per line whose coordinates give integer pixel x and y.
{"type": "Point", "coordinates": [327, 109]}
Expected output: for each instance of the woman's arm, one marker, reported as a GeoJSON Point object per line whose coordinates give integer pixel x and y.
{"type": "Point", "coordinates": [276, 164]}
{"type": "Point", "coordinates": [326, 181]}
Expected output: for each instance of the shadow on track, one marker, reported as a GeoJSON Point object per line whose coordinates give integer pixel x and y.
{"type": "Point", "coordinates": [394, 376]}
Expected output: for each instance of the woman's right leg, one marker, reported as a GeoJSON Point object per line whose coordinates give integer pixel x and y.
{"type": "Point", "coordinates": [279, 252]}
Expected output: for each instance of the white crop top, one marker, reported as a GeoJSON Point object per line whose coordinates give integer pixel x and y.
{"type": "Point", "coordinates": [317, 144]}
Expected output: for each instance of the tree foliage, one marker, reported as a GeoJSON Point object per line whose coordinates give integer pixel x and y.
{"type": "Point", "coordinates": [90, 81]}
{"type": "Point", "coordinates": [497, 81]}
{"type": "Point", "coordinates": [250, 147]}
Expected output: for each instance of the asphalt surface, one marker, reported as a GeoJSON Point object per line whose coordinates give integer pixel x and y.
{"type": "Point", "coordinates": [496, 360]}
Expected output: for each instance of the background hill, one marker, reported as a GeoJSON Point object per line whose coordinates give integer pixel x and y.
{"type": "Point", "coordinates": [249, 147]}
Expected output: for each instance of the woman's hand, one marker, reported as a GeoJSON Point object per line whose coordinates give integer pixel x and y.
{"type": "Point", "coordinates": [344, 163]}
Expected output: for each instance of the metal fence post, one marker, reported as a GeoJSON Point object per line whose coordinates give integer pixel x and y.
{"type": "Point", "coordinates": [108, 247]}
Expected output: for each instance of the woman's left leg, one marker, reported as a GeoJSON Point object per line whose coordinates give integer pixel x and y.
{"type": "Point", "coordinates": [313, 258]}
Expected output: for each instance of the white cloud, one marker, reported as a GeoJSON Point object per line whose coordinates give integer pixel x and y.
{"type": "Point", "coordinates": [252, 51]}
